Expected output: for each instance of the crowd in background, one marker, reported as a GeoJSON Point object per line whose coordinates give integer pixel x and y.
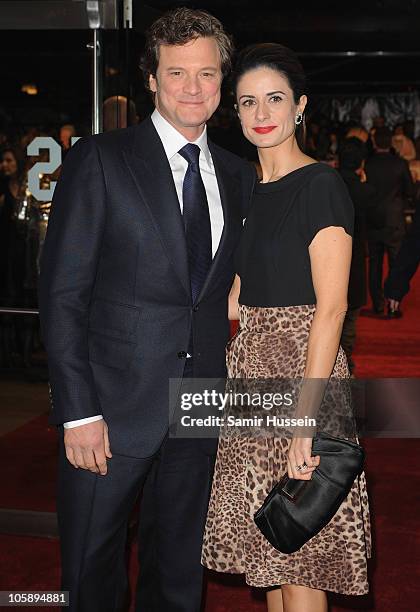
{"type": "Point", "coordinates": [383, 214]}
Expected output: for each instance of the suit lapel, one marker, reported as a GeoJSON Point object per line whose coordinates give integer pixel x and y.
{"type": "Point", "coordinates": [228, 184]}
{"type": "Point", "coordinates": [150, 169]}
{"type": "Point", "coordinates": [152, 175]}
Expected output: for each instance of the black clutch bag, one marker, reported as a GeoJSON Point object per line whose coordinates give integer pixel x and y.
{"type": "Point", "coordinates": [296, 510]}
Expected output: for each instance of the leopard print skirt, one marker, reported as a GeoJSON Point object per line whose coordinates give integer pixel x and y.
{"type": "Point", "coordinates": [272, 343]}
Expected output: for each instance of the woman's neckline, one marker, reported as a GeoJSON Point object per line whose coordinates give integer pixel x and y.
{"type": "Point", "coordinates": [281, 178]}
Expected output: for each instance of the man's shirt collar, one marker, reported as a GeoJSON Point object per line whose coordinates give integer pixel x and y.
{"type": "Point", "coordinates": [173, 141]}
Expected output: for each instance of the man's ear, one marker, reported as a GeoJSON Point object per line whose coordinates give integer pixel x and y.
{"type": "Point", "coordinates": [152, 83]}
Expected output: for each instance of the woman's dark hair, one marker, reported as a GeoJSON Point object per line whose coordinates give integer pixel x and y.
{"type": "Point", "coordinates": [19, 156]}
{"type": "Point", "coordinates": [281, 59]}
{"type": "Point", "coordinates": [179, 27]}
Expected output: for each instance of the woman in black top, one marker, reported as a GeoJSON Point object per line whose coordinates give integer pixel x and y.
{"type": "Point", "coordinates": [290, 297]}
{"type": "Point", "coordinates": [12, 256]}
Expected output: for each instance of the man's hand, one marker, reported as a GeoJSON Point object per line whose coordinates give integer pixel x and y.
{"type": "Point", "coordinates": [394, 305]}
{"type": "Point", "coordinates": [362, 175]}
{"type": "Point", "coordinates": [300, 454]}
{"type": "Point", "coordinates": [87, 446]}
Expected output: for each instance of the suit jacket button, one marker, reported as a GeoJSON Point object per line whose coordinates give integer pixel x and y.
{"type": "Point", "coordinates": [182, 355]}
{"type": "Point", "coordinates": [195, 308]}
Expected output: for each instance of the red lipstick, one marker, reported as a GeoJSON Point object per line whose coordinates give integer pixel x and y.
{"type": "Point", "coordinates": [264, 130]}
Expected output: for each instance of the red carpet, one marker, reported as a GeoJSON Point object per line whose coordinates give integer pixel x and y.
{"type": "Point", "coordinates": [384, 349]}
{"type": "Point", "coordinates": [28, 466]}
{"type": "Point", "coordinates": [390, 348]}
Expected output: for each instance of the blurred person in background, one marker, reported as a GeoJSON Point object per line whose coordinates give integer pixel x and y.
{"type": "Point", "coordinates": [118, 114]}
{"type": "Point", "coordinates": [67, 132]}
{"type": "Point", "coordinates": [312, 133]}
{"type": "Point", "coordinates": [378, 122]}
{"type": "Point", "coordinates": [31, 133]}
{"type": "Point", "coordinates": [11, 256]}
{"type": "Point", "coordinates": [417, 147]}
{"type": "Point", "coordinates": [3, 142]}
{"type": "Point", "coordinates": [13, 193]}
{"type": "Point", "coordinates": [363, 135]}
{"type": "Point", "coordinates": [323, 139]}
{"type": "Point", "coordinates": [224, 130]}
{"type": "Point", "coordinates": [402, 144]}
{"type": "Point", "coordinates": [390, 176]}
{"type": "Point", "coordinates": [352, 156]}
{"type": "Point", "coordinates": [9, 186]}
{"type": "Point", "coordinates": [397, 285]}
{"type": "Point", "coordinates": [414, 165]}
{"type": "Point", "coordinates": [330, 154]}
{"type": "Point", "coordinates": [359, 132]}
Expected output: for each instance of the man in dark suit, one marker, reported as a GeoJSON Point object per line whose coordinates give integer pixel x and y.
{"type": "Point", "coordinates": [136, 270]}
{"type": "Point", "coordinates": [397, 285]}
{"type": "Point", "coordinates": [391, 178]}
{"type": "Point", "coordinates": [352, 157]}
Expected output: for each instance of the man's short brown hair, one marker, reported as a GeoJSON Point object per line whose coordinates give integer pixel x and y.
{"type": "Point", "coordinates": [179, 27]}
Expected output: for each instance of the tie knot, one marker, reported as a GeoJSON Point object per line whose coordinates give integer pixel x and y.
{"type": "Point", "coordinates": [191, 153]}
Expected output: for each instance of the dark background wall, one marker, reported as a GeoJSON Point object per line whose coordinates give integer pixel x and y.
{"type": "Point", "coordinates": [323, 32]}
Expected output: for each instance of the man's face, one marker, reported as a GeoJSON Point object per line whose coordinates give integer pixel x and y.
{"type": "Point", "coordinates": [65, 136]}
{"type": "Point", "coordinates": [9, 164]}
{"type": "Point", "coordinates": [187, 84]}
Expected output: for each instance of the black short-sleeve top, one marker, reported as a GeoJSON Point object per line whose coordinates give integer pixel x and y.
{"type": "Point", "coordinates": [272, 258]}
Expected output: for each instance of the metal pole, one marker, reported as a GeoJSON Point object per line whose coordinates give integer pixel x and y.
{"type": "Point", "coordinates": [97, 82]}
{"type": "Point", "coordinates": [24, 311]}
{"type": "Point", "coordinates": [127, 24]}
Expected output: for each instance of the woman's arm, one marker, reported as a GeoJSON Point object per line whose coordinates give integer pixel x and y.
{"type": "Point", "coordinates": [233, 305]}
{"type": "Point", "coordinates": [330, 255]}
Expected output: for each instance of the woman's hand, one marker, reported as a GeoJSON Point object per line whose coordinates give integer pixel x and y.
{"type": "Point", "coordinates": [300, 454]}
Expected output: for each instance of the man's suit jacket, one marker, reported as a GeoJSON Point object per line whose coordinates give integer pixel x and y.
{"type": "Point", "coordinates": [390, 175]}
{"type": "Point", "coordinates": [364, 199]}
{"type": "Point", "coordinates": [397, 285]}
{"type": "Point", "coordinates": [115, 299]}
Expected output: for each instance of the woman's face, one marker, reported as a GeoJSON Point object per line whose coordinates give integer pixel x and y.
{"type": "Point", "coordinates": [266, 107]}
{"type": "Point", "coordinates": [9, 164]}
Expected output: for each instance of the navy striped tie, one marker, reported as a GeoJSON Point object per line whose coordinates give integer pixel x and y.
{"type": "Point", "coordinates": [196, 220]}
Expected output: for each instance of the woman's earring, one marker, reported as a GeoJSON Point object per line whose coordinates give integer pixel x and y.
{"type": "Point", "coordinates": [298, 119]}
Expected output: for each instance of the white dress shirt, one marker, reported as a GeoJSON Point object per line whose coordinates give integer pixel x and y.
{"type": "Point", "coordinates": [172, 142]}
